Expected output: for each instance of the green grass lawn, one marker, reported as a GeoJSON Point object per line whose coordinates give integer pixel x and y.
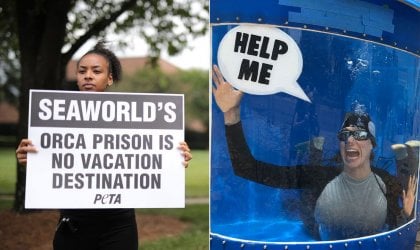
{"type": "Point", "coordinates": [7, 171]}
{"type": "Point", "coordinates": [197, 175]}
{"type": "Point", "coordinates": [194, 238]}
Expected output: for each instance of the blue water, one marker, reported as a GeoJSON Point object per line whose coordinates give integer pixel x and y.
{"type": "Point", "coordinates": [337, 72]}
{"type": "Point", "coordinates": [265, 230]}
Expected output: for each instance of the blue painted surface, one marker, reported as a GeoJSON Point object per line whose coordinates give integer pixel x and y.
{"type": "Point", "coordinates": [357, 16]}
{"type": "Point", "coordinates": [337, 71]}
{"type": "Point", "coordinates": [390, 22]}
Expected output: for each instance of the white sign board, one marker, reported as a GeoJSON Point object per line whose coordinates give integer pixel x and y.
{"type": "Point", "coordinates": [105, 150]}
{"type": "Point", "coordinates": [261, 60]}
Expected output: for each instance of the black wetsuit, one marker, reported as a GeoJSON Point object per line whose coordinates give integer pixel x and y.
{"type": "Point", "coordinates": [96, 229]}
{"type": "Point", "coordinates": [311, 179]}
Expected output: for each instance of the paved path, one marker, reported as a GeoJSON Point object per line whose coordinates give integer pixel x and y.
{"type": "Point", "coordinates": [197, 200]}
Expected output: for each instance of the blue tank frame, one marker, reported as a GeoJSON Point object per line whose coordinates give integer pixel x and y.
{"type": "Point", "coordinates": [377, 27]}
{"type": "Point", "coordinates": [401, 238]}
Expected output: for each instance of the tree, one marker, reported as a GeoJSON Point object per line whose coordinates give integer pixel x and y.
{"type": "Point", "coordinates": [50, 32]}
{"type": "Point", "coordinates": [194, 83]}
{"type": "Point", "coordinates": [9, 64]}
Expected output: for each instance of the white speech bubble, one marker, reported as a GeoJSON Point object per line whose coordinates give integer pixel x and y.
{"type": "Point", "coordinates": [261, 60]}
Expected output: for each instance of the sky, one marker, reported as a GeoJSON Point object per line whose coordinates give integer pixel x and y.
{"type": "Point", "coordinates": [195, 56]}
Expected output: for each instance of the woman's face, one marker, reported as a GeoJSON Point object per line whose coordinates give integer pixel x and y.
{"type": "Point", "coordinates": [355, 154]}
{"type": "Point", "coordinates": [93, 73]}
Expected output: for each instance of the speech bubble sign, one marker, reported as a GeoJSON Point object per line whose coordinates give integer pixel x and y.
{"type": "Point", "coordinates": [261, 60]}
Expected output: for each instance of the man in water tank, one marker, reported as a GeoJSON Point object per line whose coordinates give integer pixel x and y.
{"type": "Point", "coordinates": [351, 202]}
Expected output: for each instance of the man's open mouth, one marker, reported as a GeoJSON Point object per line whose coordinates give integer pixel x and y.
{"type": "Point", "coordinates": [352, 153]}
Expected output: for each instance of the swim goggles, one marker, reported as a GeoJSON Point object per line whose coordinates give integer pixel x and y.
{"type": "Point", "coordinates": [359, 135]}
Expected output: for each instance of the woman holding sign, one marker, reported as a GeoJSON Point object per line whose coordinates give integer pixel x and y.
{"type": "Point", "coordinates": [340, 203]}
{"type": "Point", "coordinates": [87, 229]}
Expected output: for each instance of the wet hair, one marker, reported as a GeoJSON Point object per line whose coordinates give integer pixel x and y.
{"type": "Point", "coordinates": [114, 65]}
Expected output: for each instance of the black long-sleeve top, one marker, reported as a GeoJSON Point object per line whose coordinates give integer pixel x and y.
{"type": "Point", "coordinates": [312, 179]}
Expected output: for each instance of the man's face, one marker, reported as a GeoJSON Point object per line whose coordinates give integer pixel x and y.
{"type": "Point", "coordinates": [355, 153]}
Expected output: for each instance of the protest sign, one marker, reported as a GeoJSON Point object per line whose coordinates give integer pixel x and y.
{"type": "Point", "coordinates": [105, 150]}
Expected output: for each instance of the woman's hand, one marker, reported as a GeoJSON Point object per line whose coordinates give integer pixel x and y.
{"type": "Point", "coordinates": [186, 152]}
{"type": "Point", "coordinates": [409, 196]}
{"type": "Point", "coordinates": [25, 147]}
{"type": "Point", "coordinates": [227, 98]}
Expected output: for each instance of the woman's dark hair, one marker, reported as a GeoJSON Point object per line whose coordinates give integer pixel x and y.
{"type": "Point", "coordinates": [113, 62]}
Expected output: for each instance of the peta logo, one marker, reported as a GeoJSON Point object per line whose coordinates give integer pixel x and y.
{"type": "Point", "coordinates": [107, 199]}
{"type": "Point", "coordinates": [261, 60]}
